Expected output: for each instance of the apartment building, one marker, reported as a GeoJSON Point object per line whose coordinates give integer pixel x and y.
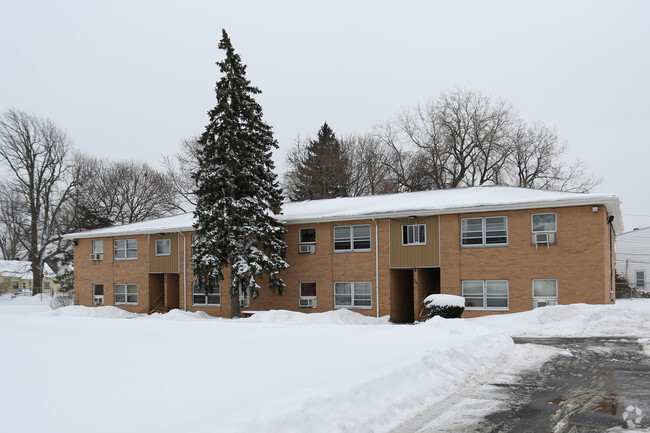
{"type": "Point", "coordinates": [503, 249]}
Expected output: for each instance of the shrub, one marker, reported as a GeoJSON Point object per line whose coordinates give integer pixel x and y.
{"type": "Point", "coordinates": [445, 306]}
{"type": "Point", "coordinates": [63, 299]}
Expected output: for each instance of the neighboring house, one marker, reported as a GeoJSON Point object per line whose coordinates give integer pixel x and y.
{"type": "Point", "coordinates": [633, 257]}
{"type": "Point", "coordinates": [504, 249]}
{"type": "Point", "coordinates": [16, 277]}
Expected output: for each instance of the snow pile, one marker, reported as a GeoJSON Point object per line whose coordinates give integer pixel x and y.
{"type": "Point", "coordinates": [443, 300]}
{"type": "Point", "coordinates": [626, 318]}
{"type": "Point", "coordinates": [107, 312]}
{"type": "Point", "coordinates": [277, 371]}
{"type": "Point", "coordinates": [337, 317]}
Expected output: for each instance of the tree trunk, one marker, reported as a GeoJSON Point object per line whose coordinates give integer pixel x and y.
{"type": "Point", "coordinates": [234, 304]}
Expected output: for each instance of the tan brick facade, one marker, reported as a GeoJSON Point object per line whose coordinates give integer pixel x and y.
{"type": "Point", "coordinates": [581, 263]}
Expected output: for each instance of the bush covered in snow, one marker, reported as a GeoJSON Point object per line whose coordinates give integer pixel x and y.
{"type": "Point", "coordinates": [63, 299]}
{"type": "Point", "coordinates": [445, 306]}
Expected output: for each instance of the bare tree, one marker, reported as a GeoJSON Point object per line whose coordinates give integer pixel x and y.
{"type": "Point", "coordinates": [42, 181]}
{"type": "Point", "coordinates": [180, 169]}
{"type": "Point", "coordinates": [463, 138]}
{"type": "Point", "coordinates": [367, 161]}
{"type": "Point", "coordinates": [126, 191]}
{"type": "Point", "coordinates": [11, 213]}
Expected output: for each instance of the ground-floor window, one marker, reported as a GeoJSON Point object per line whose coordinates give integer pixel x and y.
{"type": "Point", "coordinates": [544, 292]}
{"type": "Point", "coordinates": [486, 294]}
{"type": "Point", "coordinates": [353, 294]}
{"type": "Point", "coordinates": [307, 295]}
{"type": "Point", "coordinates": [202, 296]}
{"type": "Point", "coordinates": [126, 294]}
{"type": "Point", "coordinates": [98, 294]}
{"type": "Point", "coordinates": [14, 284]}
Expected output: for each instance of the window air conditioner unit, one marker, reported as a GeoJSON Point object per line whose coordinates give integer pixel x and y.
{"type": "Point", "coordinates": [307, 303]}
{"type": "Point", "coordinates": [98, 300]}
{"type": "Point", "coordinates": [307, 249]}
{"type": "Point", "coordinates": [242, 302]}
{"type": "Point", "coordinates": [96, 257]}
{"type": "Point", "coordinates": [542, 238]}
{"type": "Point", "coordinates": [545, 302]}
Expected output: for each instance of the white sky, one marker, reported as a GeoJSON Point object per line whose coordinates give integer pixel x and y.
{"type": "Point", "coordinates": [130, 79]}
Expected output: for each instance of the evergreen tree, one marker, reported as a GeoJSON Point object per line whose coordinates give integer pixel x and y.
{"type": "Point", "coordinates": [318, 169]}
{"type": "Point", "coordinates": [237, 193]}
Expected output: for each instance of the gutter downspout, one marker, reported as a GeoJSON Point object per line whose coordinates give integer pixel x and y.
{"type": "Point", "coordinates": [376, 263]}
{"type": "Point", "coordinates": [184, 271]}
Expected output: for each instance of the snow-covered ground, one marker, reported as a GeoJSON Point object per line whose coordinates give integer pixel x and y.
{"type": "Point", "coordinates": [81, 369]}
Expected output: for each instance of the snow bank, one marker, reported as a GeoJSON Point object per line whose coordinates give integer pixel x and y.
{"type": "Point", "coordinates": [337, 317]}
{"type": "Point", "coordinates": [277, 371]}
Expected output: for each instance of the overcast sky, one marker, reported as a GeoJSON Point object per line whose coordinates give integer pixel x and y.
{"type": "Point", "coordinates": [130, 79]}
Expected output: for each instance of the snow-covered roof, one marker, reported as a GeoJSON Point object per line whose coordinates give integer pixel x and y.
{"type": "Point", "coordinates": [22, 269]}
{"type": "Point", "coordinates": [423, 203]}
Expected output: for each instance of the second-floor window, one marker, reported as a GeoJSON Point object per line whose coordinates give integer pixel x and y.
{"type": "Point", "coordinates": [414, 234]}
{"type": "Point", "coordinates": [163, 247]}
{"type": "Point", "coordinates": [544, 228]}
{"type": "Point", "coordinates": [308, 240]}
{"type": "Point", "coordinates": [98, 247]}
{"type": "Point", "coordinates": [352, 238]}
{"type": "Point", "coordinates": [126, 249]}
{"type": "Point", "coordinates": [484, 231]}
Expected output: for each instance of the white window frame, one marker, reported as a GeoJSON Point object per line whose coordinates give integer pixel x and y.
{"type": "Point", "coordinates": [245, 297]}
{"type": "Point", "coordinates": [165, 244]}
{"type": "Point", "coordinates": [311, 245]}
{"type": "Point", "coordinates": [548, 300]}
{"type": "Point", "coordinates": [643, 280]}
{"type": "Point", "coordinates": [196, 292]}
{"type": "Point", "coordinates": [485, 297]}
{"type": "Point", "coordinates": [352, 238]}
{"type": "Point", "coordinates": [123, 289]}
{"type": "Point", "coordinates": [411, 234]}
{"type": "Point", "coordinates": [126, 249]}
{"type": "Point", "coordinates": [484, 233]}
{"type": "Point", "coordinates": [98, 247]}
{"type": "Point", "coordinates": [532, 222]}
{"type": "Point", "coordinates": [357, 300]}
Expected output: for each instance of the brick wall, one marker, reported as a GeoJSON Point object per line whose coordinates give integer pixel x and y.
{"type": "Point", "coordinates": [578, 261]}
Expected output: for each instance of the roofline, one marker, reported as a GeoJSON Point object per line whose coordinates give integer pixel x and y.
{"type": "Point", "coordinates": [611, 203]}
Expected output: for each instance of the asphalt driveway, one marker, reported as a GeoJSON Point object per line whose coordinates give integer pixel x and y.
{"type": "Point", "coordinates": [598, 384]}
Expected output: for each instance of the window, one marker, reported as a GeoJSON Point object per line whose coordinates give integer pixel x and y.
{"type": "Point", "coordinates": [352, 238]}
{"type": "Point", "coordinates": [98, 294]}
{"type": "Point", "coordinates": [486, 294]}
{"type": "Point", "coordinates": [98, 247]}
{"type": "Point", "coordinates": [126, 249]}
{"type": "Point", "coordinates": [308, 240]}
{"type": "Point", "coordinates": [414, 234]}
{"type": "Point", "coordinates": [14, 285]}
{"type": "Point", "coordinates": [47, 285]}
{"type": "Point", "coordinates": [544, 223]}
{"type": "Point", "coordinates": [308, 290]}
{"type": "Point", "coordinates": [353, 294]}
{"type": "Point", "coordinates": [544, 292]}
{"type": "Point", "coordinates": [640, 279]}
{"type": "Point", "coordinates": [126, 294]}
{"type": "Point", "coordinates": [307, 295]}
{"type": "Point", "coordinates": [163, 247]}
{"type": "Point", "coordinates": [201, 296]}
{"type": "Point", "coordinates": [487, 231]}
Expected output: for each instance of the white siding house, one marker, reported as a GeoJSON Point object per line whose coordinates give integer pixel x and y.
{"type": "Point", "coordinates": [633, 257]}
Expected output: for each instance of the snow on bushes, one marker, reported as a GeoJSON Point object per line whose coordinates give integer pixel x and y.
{"type": "Point", "coordinates": [445, 306]}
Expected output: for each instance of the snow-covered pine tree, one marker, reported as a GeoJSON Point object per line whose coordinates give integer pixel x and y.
{"type": "Point", "coordinates": [237, 193]}
{"type": "Point", "coordinates": [320, 169]}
